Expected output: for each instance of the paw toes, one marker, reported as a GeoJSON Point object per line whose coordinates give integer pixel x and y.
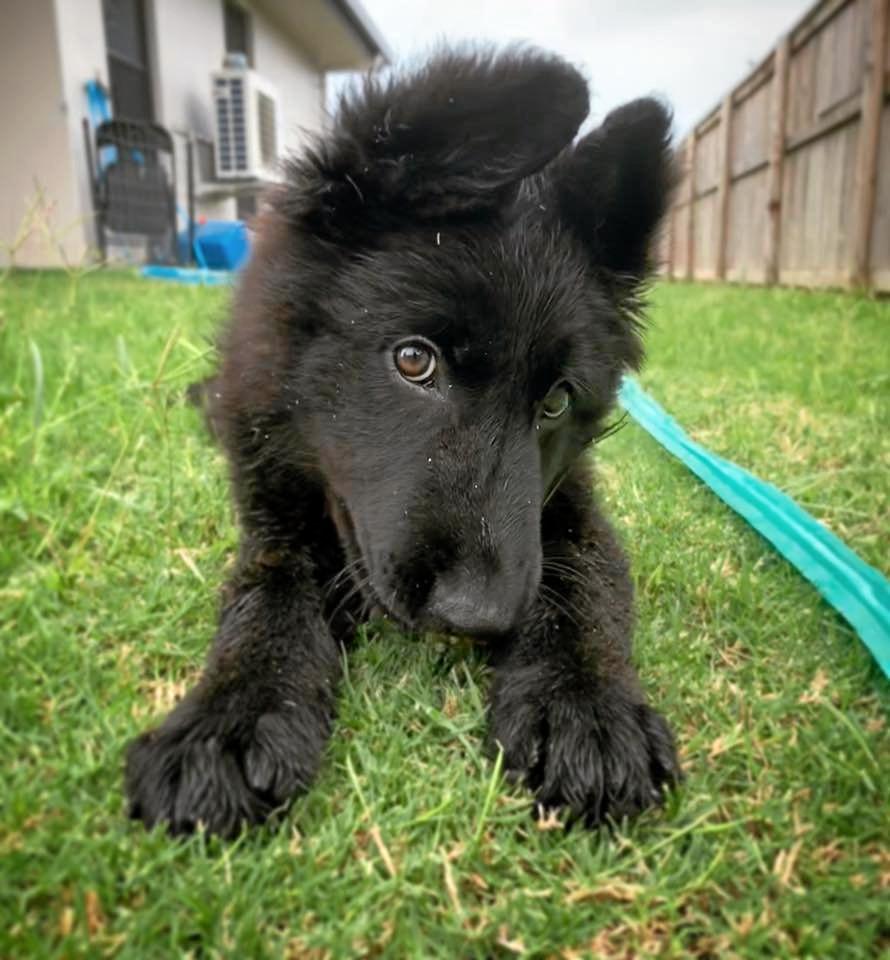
{"type": "Point", "coordinates": [598, 771]}
{"type": "Point", "coordinates": [189, 782]}
{"type": "Point", "coordinates": [665, 765]}
{"type": "Point", "coordinates": [269, 766]}
{"type": "Point", "coordinates": [520, 737]}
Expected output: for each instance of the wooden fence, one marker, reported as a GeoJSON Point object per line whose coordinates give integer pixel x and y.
{"type": "Point", "coordinates": [788, 179]}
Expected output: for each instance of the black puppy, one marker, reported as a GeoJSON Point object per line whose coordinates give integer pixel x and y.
{"type": "Point", "coordinates": [431, 330]}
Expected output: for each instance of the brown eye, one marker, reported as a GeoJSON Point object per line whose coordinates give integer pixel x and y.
{"type": "Point", "coordinates": [415, 362]}
{"type": "Point", "coordinates": [556, 402]}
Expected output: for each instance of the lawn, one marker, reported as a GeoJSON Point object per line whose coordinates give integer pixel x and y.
{"type": "Point", "coordinates": [115, 532]}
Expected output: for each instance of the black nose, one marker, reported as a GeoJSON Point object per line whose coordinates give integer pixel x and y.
{"type": "Point", "coordinates": [462, 603]}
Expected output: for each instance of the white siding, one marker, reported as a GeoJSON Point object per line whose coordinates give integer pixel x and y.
{"type": "Point", "coordinates": [35, 116]}
{"type": "Point", "coordinates": [188, 44]}
{"type": "Point", "coordinates": [83, 57]}
{"type": "Point", "coordinates": [49, 49]}
{"type": "Point", "coordinates": [187, 41]}
{"type": "Point", "coordinates": [300, 85]}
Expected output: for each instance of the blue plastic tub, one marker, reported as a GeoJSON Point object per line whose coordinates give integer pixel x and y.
{"type": "Point", "coordinates": [222, 244]}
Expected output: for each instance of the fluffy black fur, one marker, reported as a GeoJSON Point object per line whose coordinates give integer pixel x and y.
{"type": "Point", "coordinates": [449, 204]}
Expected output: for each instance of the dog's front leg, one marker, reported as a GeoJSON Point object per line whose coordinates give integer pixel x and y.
{"type": "Point", "coordinates": [250, 734]}
{"type": "Point", "coordinates": [566, 704]}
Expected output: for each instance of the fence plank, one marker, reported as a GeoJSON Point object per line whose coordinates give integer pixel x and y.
{"type": "Point", "coordinates": [776, 158]}
{"type": "Point", "coordinates": [690, 217]}
{"type": "Point", "coordinates": [869, 138]}
{"type": "Point", "coordinates": [723, 185]}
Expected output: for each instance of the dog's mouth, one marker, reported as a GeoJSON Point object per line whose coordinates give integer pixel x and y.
{"type": "Point", "coordinates": [458, 609]}
{"type": "Point", "coordinates": [358, 571]}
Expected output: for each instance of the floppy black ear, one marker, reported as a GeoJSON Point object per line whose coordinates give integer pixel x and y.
{"type": "Point", "coordinates": [615, 186]}
{"type": "Point", "coordinates": [452, 138]}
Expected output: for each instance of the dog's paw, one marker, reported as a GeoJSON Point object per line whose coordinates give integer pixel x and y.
{"type": "Point", "coordinates": [606, 755]}
{"type": "Point", "coordinates": [196, 772]}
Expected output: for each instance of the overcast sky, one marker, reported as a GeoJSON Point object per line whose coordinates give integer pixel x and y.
{"type": "Point", "coordinates": [688, 51]}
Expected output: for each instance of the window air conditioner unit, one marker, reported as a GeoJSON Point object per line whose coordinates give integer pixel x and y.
{"type": "Point", "coordinates": [246, 131]}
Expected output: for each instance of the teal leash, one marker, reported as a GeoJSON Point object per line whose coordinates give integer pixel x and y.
{"type": "Point", "coordinates": [859, 592]}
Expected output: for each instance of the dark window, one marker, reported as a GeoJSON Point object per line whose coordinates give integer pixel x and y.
{"type": "Point", "coordinates": [204, 151]}
{"type": "Point", "coordinates": [246, 206]}
{"type": "Point", "coordinates": [237, 29]}
{"type": "Point", "coordinates": [128, 68]}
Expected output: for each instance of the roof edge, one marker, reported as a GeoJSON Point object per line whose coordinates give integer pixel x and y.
{"type": "Point", "coordinates": [357, 17]}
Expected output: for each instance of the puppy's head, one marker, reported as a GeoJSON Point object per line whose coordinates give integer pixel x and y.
{"type": "Point", "coordinates": [456, 292]}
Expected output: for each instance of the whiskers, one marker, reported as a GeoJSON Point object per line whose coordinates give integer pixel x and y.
{"type": "Point", "coordinates": [563, 570]}
{"type": "Point", "coordinates": [610, 429]}
{"type": "Point", "coordinates": [562, 604]}
{"type": "Point", "coordinates": [354, 580]}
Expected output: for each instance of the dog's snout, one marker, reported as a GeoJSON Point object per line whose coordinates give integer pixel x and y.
{"type": "Point", "coordinates": [472, 605]}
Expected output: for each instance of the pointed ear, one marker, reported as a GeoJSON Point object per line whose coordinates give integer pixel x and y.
{"type": "Point", "coordinates": [452, 138]}
{"type": "Point", "coordinates": [615, 186]}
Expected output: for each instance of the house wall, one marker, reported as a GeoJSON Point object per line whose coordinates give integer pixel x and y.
{"type": "Point", "coordinates": [34, 115]}
{"type": "Point", "coordinates": [83, 57]}
{"type": "Point", "coordinates": [49, 49]}
{"type": "Point", "coordinates": [188, 44]}
{"type": "Point", "coordinates": [300, 84]}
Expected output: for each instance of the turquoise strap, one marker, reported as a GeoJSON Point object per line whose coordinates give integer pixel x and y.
{"type": "Point", "coordinates": [859, 592]}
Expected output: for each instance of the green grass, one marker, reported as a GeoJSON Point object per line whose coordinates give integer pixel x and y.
{"type": "Point", "coordinates": [115, 532]}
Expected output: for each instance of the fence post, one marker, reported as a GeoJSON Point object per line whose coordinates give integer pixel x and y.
{"type": "Point", "coordinates": [669, 247]}
{"type": "Point", "coordinates": [690, 193]}
{"type": "Point", "coordinates": [778, 111]}
{"type": "Point", "coordinates": [724, 185]}
{"type": "Point", "coordinates": [869, 141]}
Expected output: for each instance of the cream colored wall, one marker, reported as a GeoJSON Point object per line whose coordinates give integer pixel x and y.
{"type": "Point", "coordinates": [300, 85]}
{"type": "Point", "coordinates": [188, 43]}
{"type": "Point", "coordinates": [81, 30]}
{"type": "Point", "coordinates": [36, 152]}
{"type": "Point", "coordinates": [48, 51]}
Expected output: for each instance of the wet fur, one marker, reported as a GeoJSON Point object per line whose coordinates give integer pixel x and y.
{"type": "Point", "coordinates": [450, 203]}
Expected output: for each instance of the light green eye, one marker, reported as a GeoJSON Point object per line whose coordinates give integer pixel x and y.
{"type": "Point", "coordinates": [556, 402]}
